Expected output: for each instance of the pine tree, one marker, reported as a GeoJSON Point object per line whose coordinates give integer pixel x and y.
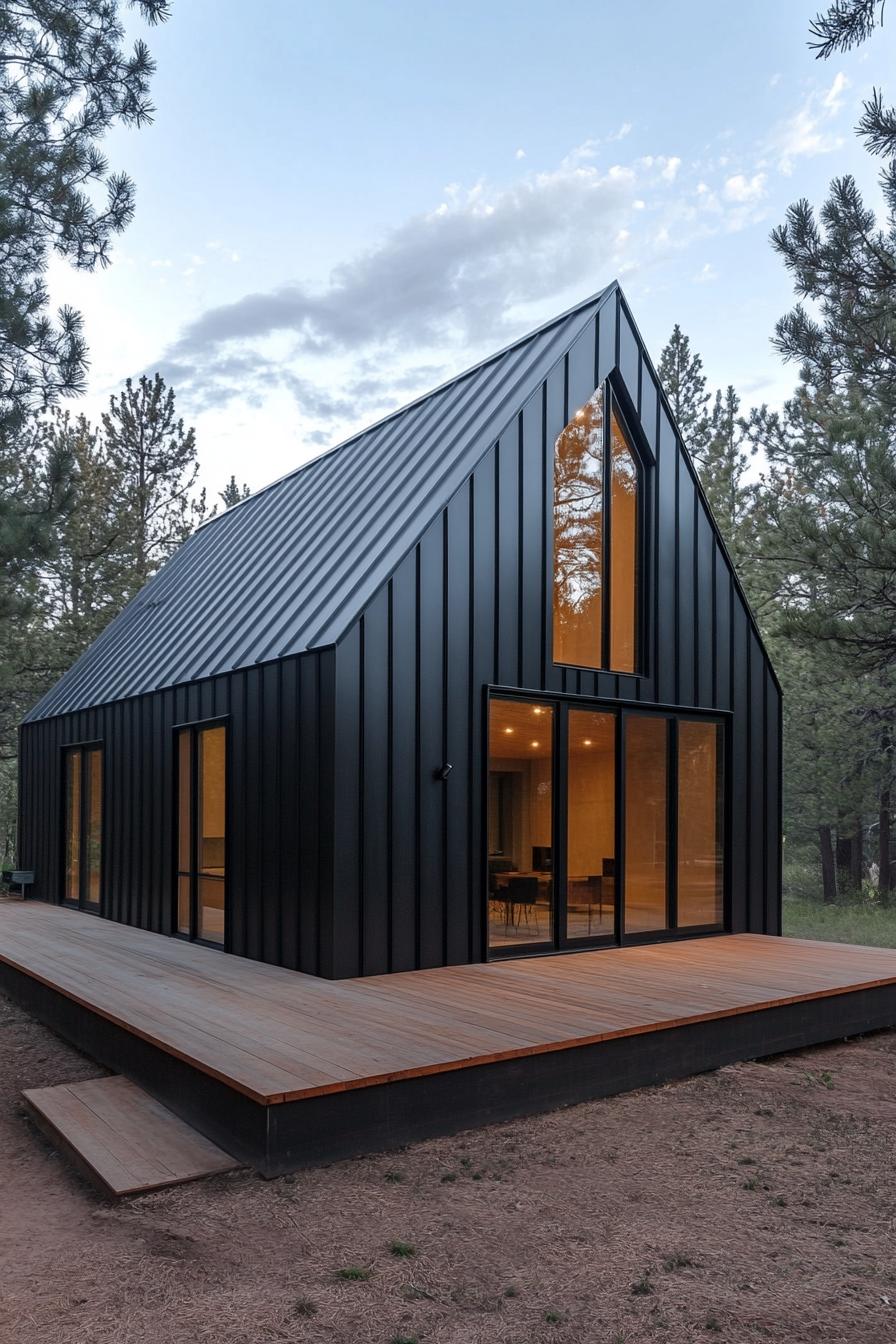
{"type": "Point", "coordinates": [681, 375]}
{"type": "Point", "coordinates": [844, 25]}
{"type": "Point", "coordinates": [155, 474]}
{"type": "Point", "coordinates": [233, 493]}
{"type": "Point", "coordinates": [64, 81]}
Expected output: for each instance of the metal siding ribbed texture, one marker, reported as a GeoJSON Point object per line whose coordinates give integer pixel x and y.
{"type": "Point", "coordinates": [291, 567]}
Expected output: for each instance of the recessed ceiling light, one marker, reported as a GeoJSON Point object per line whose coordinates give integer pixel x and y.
{"type": "Point", "coordinates": [508, 730]}
{"type": "Point", "coordinates": [534, 744]}
{"type": "Point", "coordinates": [536, 709]}
{"type": "Point", "coordinates": [587, 742]}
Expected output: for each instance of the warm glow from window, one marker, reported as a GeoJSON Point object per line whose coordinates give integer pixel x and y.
{"type": "Point", "coordinates": [623, 549]}
{"type": "Point", "coordinates": [596, 542]}
{"type": "Point", "coordinates": [578, 537]}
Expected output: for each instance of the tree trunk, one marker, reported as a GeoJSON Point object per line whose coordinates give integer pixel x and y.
{"type": "Point", "coordinates": [885, 875]}
{"type": "Point", "coordinates": [828, 865]}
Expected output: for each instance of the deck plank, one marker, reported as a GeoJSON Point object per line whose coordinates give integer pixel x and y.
{"type": "Point", "coordinates": [279, 1035]}
{"type": "Point", "coordinates": [123, 1138]}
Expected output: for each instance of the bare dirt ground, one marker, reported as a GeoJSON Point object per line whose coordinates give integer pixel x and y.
{"type": "Point", "coordinates": [755, 1203]}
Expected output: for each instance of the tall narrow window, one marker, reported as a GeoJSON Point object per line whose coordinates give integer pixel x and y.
{"type": "Point", "coordinates": [82, 876]}
{"type": "Point", "coordinates": [202, 832]}
{"type": "Point", "coordinates": [623, 549]}
{"type": "Point", "coordinates": [597, 485]}
{"type": "Point", "coordinates": [700, 877]}
{"type": "Point", "coordinates": [646, 831]}
{"type": "Point", "coordinates": [520, 824]}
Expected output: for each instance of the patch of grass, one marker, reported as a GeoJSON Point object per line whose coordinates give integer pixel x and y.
{"type": "Point", "coordinates": [677, 1261]}
{"type": "Point", "coordinates": [852, 922]}
{"type": "Point", "coordinates": [746, 1161]}
{"type": "Point", "coordinates": [448, 1177]}
{"type": "Point", "coordinates": [554, 1317]}
{"type": "Point", "coordinates": [394, 1177]}
{"type": "Point", "coordinates": [763, 1110]}
{"type": "Point", "coordinates": [305, 1307]}
{"type": "Point", "coordinates": [511, 1290]}
{"type": "Point", "coordinates": [779, 1202]}
{"type": "Point", "coordinates": [642, 1286]}
{"type": "Point", "coordinates": [751, 1183]}
{"type": "Point", "coordinates": [402, 1249]}
{"type": "Point", "coordinates": [354, 1274]}
{"type": "Point", "coordinates": [712, 1322]}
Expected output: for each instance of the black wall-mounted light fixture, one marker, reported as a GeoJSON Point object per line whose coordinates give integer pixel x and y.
{"type": "Point", "coordinates": [443, 771]}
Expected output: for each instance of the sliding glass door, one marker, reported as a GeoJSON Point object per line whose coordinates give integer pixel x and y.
{"type": "Point", "coordinates": [83, 856]}
{"type": "Point", "coordinates": [604, 825]}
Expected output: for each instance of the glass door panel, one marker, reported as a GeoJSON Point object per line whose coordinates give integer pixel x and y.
{"type": "Point", "coordinates": [646, 823]}
{"type": "Point", "coordinates": [591, 824]}
{"type": "Point", "coordinates": [202, 832]}
{"type": "Point", "coordinates": [520, 824]}
{"type": "Point", "coordinates": [700, 868]}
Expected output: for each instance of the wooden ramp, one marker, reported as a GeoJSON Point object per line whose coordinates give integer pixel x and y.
{"type": "Point", "coordinates": [121, 1137]}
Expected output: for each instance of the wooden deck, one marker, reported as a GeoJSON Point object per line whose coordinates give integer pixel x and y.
{"type": "Point", "coordinates": [276, 1037]}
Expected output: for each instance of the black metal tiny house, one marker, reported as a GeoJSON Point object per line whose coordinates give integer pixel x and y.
{"type": "Point", "coordinates": [349, 628]}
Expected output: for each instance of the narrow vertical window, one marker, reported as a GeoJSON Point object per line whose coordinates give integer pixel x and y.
{"type": "Point", "coordinates": [83, 816]}
{"type": "Point", "coordinates": [578, 537]}
{"type": "Point", "coordinates": [646, 830]}
{"type": "Point", "coordinates": [202, 832]}
{"type": "Point", "coordinates": [623, 550]}
{"type": "Point", "coordinates": [520, 824]}
{"type": "Point", "coordinates": [700, 869]}
{"type": "Point", "coordinates": [72, 889]}
{"type": "Point", "coordinates": [596, 509]}
{"type": "Point", "coordinates": [184, 829]}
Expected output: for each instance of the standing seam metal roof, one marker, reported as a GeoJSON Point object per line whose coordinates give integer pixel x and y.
{"type": "Point", "coordinates": [291, 567]}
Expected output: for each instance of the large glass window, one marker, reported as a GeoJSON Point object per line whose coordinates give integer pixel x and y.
{"type": "Point", "coordinates": [202, 832]}
{"type": "Point", "coordinates": [597, 483]}
{"type": "Point", "coordinates": [700, 876]}
{"type": "Point", "coordinates": [520, 823]}
{"type": "Point", "coordinates": [591, 824]}
{"type": "Point", "coordinates": [646, 829]}
{"type": "Point", "coordinates": [82, 876]}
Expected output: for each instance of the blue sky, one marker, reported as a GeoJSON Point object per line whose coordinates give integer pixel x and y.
{"type": "Point", "coordinates": [340, 205]}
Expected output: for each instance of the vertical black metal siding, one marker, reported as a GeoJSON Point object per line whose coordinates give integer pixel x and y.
{"type": "Point", "coordinates": [279, 809]}
{"type": "Point", "coordinates": [348, 852]}
{"type": "Point", "coordinates": [471, 606]}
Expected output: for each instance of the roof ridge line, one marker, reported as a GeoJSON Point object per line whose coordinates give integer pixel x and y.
{"type": "Point", "coordinates": [408, 406]}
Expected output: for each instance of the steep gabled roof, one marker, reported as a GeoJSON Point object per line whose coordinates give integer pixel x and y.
{"type": "Point", "coordinates": [291, 567]}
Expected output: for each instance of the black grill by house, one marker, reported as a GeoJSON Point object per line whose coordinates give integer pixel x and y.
{"type": "Point", "coordinates": [480, 682]}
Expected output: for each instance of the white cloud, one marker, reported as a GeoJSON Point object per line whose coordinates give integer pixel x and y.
{"type": "Point", "coordinates": [520, 154]}
{"type": "Point", "coordinates": [808, 131]}
{"type": "Point", "coordinates": [706, 274]}
{"type": "Point", "coordinates": [833, 99]}
{"type": "Point", "coordinates": [478, 268]}
{"type": "Point", "coordinates": [744, 190]}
